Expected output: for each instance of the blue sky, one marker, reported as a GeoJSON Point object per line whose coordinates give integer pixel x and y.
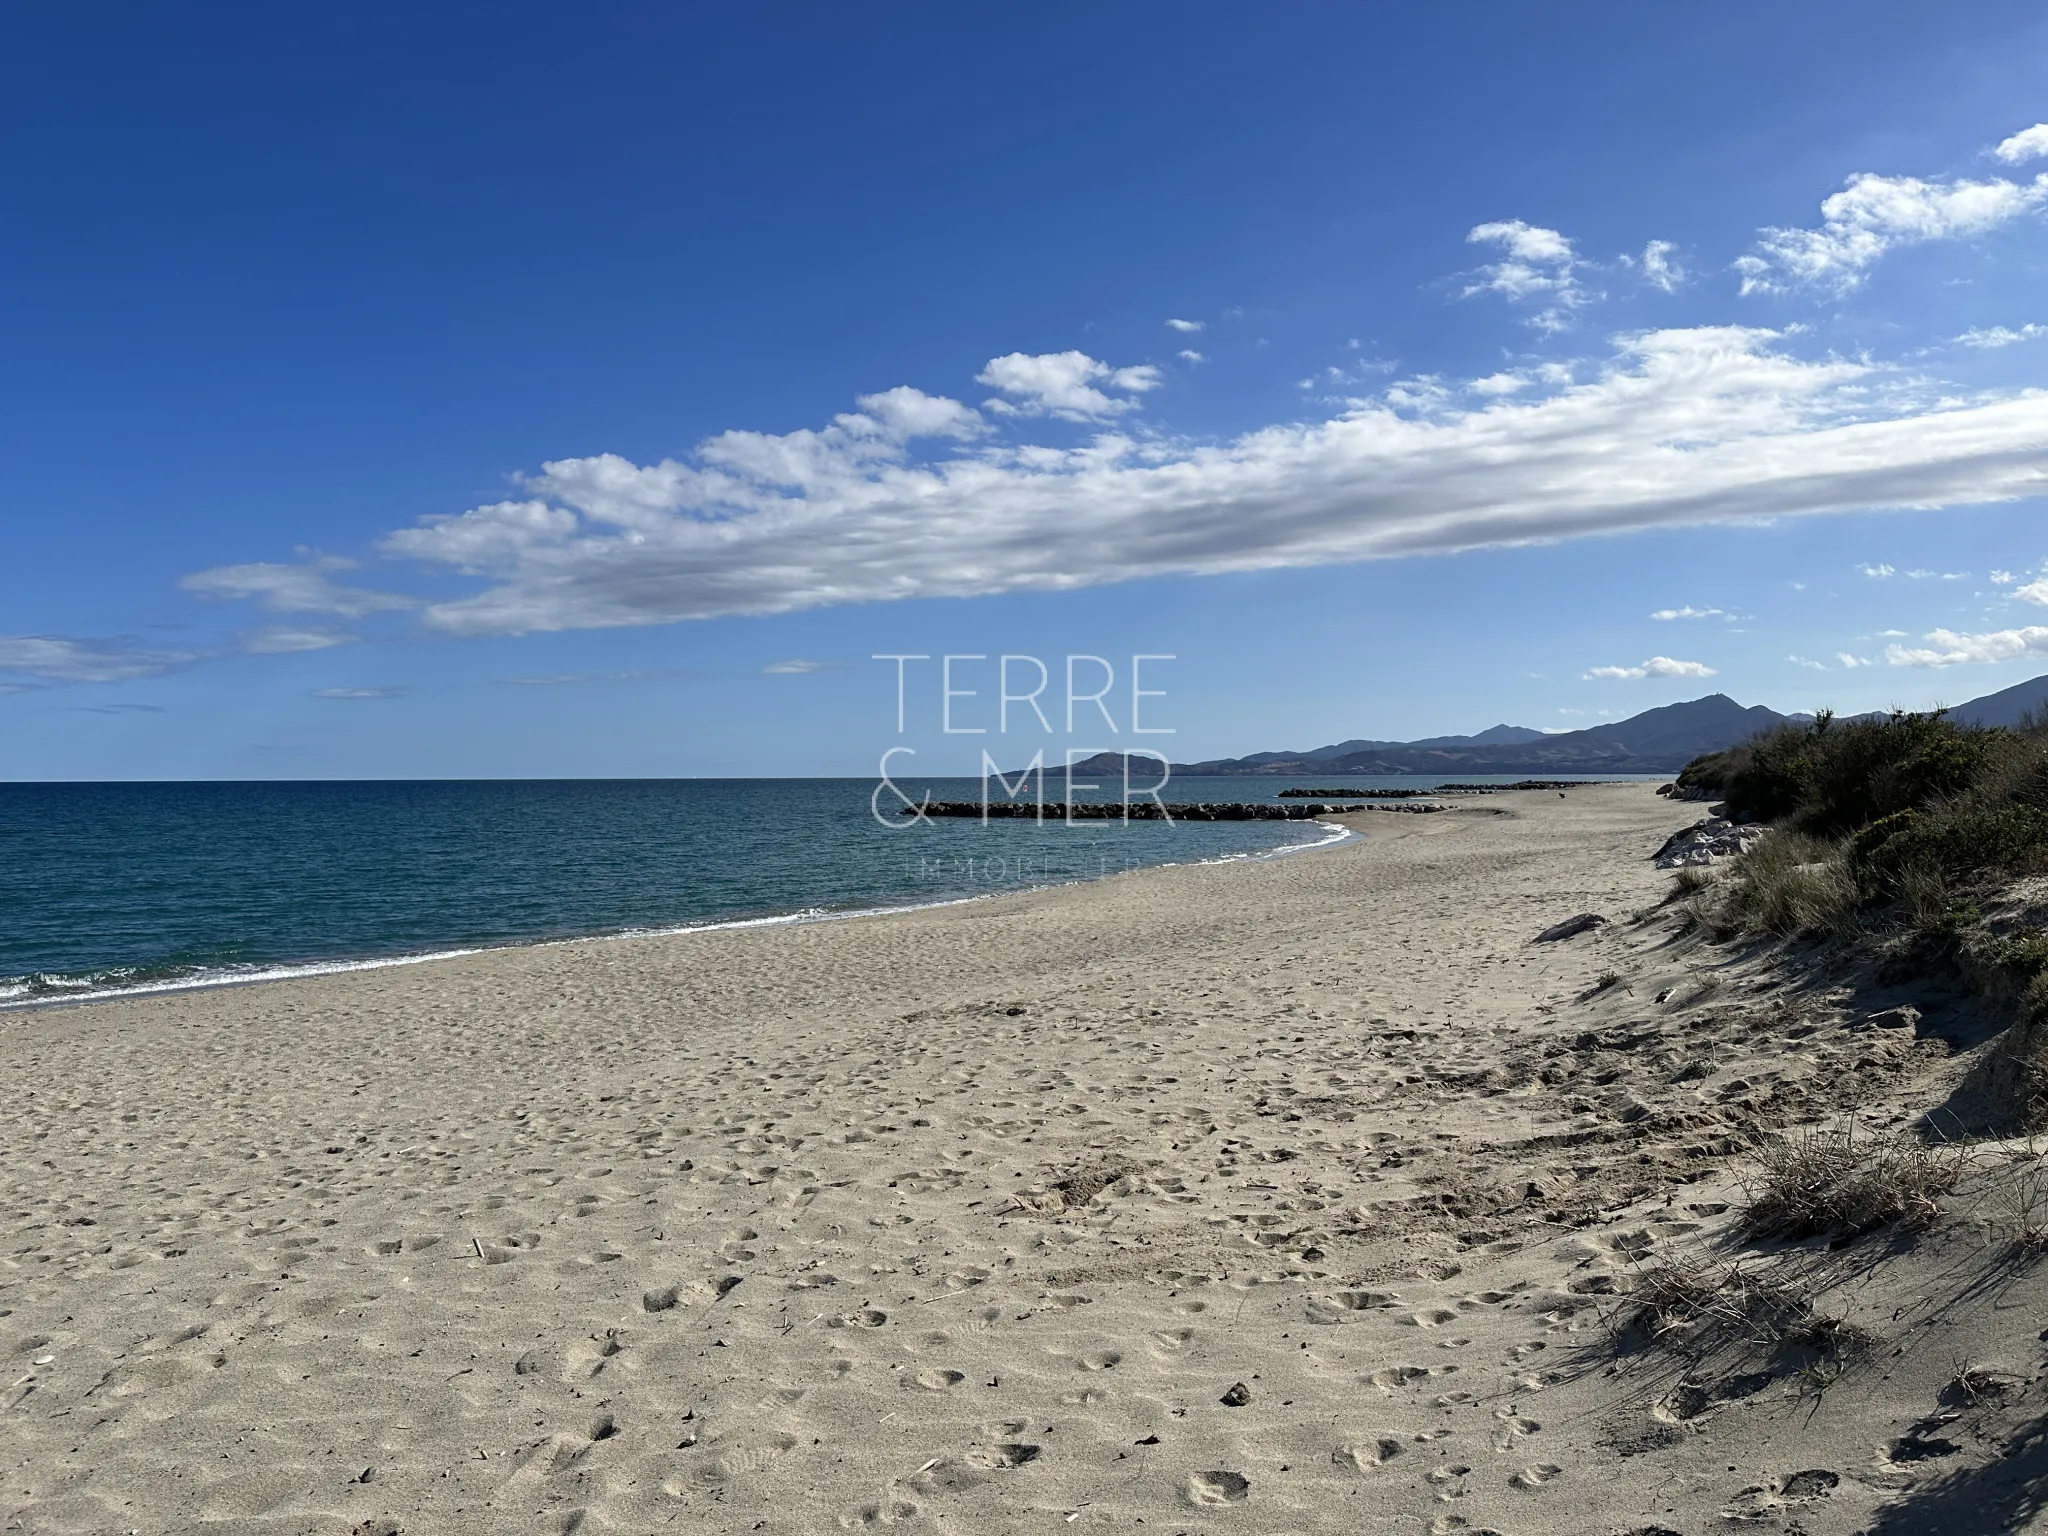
{"type": "Point", "coordinates": [464, 390]}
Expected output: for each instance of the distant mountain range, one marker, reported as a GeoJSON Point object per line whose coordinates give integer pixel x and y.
{"type": "Point", "coordinates": [1659, 740]}
{"type": "Point", "coordinates": [2005, 706]}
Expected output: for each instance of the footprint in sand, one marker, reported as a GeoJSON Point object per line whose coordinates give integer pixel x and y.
{"type": "Point", "coordinates": [1347, 1306]}
{"type": "Point", "coordinates": [741, 1460]}
{"type": "Point", "coordinates": [1212, 1488]}
{"type": "Point", "coordinates": [937, 1381]}
{"type": "Point", "coordinates": [964, 1279]}
{"type": "Point", "coordinates": [1684, 1402]}
{"type": "Point", "coordinates": [1763, 1501]}
{"type": "Point", "coordinates": [1364, 1455]}
{"type": "Point", "coordinates": [869, 1515]}
{"type": "Point", "coordinates": [996, 1458]}
{"type": "Point", "coordinates": [941, 1475]}
{"type": "Point", "coordinates": [590, 1357]}
{"type": "Point", "coordinates": [1530, 1479]}
{"type": "Point", "coordinates": [505, 1249]}
{"type": "Point", "coordinates": [1100, 1360]}
{"type": "Point", "coordinates": [866, 1317]}
{"type": "Point", "coordinates": [1395, 1377]}
{"type": "Point", "coordinates": [1513, 1427]}
{"type": "Point", "coordinates": [1433, 1317]}
{"type": "Point", "coordinates": [1448, 1481]}
{"type": "Point", "coordinates": [1458, 1525]}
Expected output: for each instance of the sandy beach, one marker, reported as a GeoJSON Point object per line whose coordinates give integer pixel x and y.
{"type": "Point", "coordinates": [1297, 1194]}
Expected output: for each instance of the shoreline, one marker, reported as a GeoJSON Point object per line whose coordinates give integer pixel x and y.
{"type": "Point", "coordinates": [305, 970]}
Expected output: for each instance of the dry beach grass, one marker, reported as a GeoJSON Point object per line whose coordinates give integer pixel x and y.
{"type": "Point", "coordinates": [1298, 1195]}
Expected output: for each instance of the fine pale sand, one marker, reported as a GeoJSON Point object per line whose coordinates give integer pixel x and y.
{"type": "Point", "coordinates": [1292, 1195]}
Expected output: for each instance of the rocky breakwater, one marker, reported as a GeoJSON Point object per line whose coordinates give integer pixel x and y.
{"type": "Point", "coordinates": [1147, 810]}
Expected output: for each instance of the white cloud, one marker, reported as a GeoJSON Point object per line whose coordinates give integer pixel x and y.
{"type": "Point", "coordinates": [357, 693]}
{"type": "Point", "coordinates": [65, 659]}
{"type": "Point", "coordinates": [2001, 335]}
{"type": "Point", "coordinates": [1674, 428]}
{"type": "Point", "coordinates": [284, 640]}
{"type": "Point", "coordinates": [1659, 266]}
{"type": "Point", "coordinates": [2027, 144]}
{"type": "Point", "coordinates": [1536, 263]}
{"type": "Point", "coordinates": [1689, 612]}
{"type": "Point", "coordinates": [1188, 326]}
{"type": "Point", "coordinates": [791, 668]}
{"type": "Point", "coordinates": [1063, 384]}
{"type": "Point", "coordinates": [2033, 592]}
{"type": "Point", "coordinates": [1850, 662]}
{"type": "Point", "coordinates": [1947, 648]}
{"type": "Point", "coordinates": [1886, 572]}
{"type": "Point", "coordinates": [292, 588]}
{"type": "Point", "coordinates": [1801, 661]}
{"type": "Point", "coordinates": [2003, 578]}
{"type": "Point", "coordinates": [1872, 215]}
{"type": "Point", "coordinates": [1499, 384]}
{"type": "Point", "coordinates": [1190, 355]}
{"type": "Point", "coordinates": [1656, 666]}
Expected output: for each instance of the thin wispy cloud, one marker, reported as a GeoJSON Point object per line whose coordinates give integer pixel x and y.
{"type": "Point", "coordinates": [282, 588]}
{"type": "Point", "coordinates": [1536, 264]}
{"type": "Point", "coordinates": [1658, 266]}
{"type": "Point", "coordinates": [570, 679]}
{"type": "Point", "coordinates": [1887, 572]}
{"type": "Point", "coordinates": [2000, 335]}
{"type": "Point", "coordinates": [791, 668]}
{"type": "Point", "coordinates": [284, 640]}
{"type": "Point", "coordinates": [358, 693]}
{"type": "Point", "coordinates": [72, 659]}
{"type": "Point", "coordinates": [1189, 326]}
{"type": "Point", "coordinates": [1666, 615]}
{"type": "Point", "coordinates": [1656, 666]}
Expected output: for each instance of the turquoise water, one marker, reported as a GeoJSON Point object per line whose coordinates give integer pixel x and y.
{"type": "Point", "coordinates": [122, 887]}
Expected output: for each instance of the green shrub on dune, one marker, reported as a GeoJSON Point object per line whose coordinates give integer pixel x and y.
{"type": "Point", "coordinates": [1901, 813]}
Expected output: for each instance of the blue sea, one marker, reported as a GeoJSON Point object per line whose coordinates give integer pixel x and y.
{"type": "Point", "coordinates": [112, 888]}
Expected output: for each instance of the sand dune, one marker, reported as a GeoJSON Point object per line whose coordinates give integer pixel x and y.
{"type": "Point", "coordinates": [1292, 1195]}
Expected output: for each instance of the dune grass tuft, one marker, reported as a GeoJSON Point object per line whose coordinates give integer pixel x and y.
{"type": "Point", "coordinates": [1840, 1183]}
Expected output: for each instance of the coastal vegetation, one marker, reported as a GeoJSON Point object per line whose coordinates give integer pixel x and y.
{"type": "Point", "coordinates": [1911, 836]}
{"type": "Point", "coordinates": [1903, 817]}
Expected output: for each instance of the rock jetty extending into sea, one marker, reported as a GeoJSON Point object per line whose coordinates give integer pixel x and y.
{"type": "Point", "coordinates": [1145, 810]}
{"type": "Point", "coordinates": [1425, 794]}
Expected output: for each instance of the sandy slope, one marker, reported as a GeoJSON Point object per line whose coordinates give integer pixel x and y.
{"type": "Point", "coordinates": [973, 1219]}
